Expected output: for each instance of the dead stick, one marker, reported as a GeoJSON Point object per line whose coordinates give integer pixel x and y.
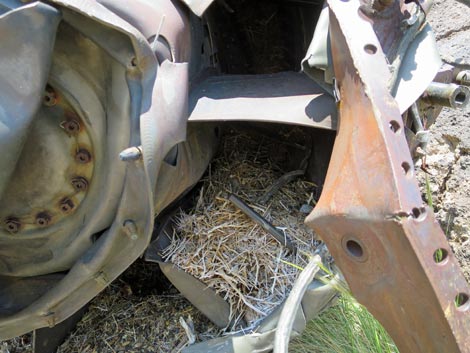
{"type": "Point", "coordinates": [279, 183]}
{"type": "Point", "coordinates": [257, 218]}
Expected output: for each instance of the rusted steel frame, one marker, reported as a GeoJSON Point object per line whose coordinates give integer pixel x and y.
{"type": "Point", "coordinates": [389, 246]}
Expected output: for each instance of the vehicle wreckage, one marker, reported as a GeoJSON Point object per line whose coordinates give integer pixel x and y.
{"type": "Point", "coordinates": [111, 112]}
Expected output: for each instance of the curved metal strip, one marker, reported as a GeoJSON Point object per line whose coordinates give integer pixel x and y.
{"type": "Point", "coordinates": [414, 77]}
{"type": "Point", "coordinates": [164, 125]}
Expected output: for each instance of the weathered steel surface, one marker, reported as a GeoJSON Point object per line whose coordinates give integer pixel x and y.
{"type": "Point", "coordinates": [388, 245]}
{"type": "Point", "coordinates": [286, 97]}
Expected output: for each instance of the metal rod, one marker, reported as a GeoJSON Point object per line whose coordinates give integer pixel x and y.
{"type": "Point", "coordinates": [418, 124]}
{"type": "Point", "coordinates": [257, 218]}
{"type": "Point", "coordinates": [447, 95]}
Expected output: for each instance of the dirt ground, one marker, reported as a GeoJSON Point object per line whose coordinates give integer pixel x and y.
{"type": "Point", "coordinates": [133, 315]}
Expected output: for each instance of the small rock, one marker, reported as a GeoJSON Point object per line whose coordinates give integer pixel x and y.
{"type": "Point", "coordinates": [307, 209]}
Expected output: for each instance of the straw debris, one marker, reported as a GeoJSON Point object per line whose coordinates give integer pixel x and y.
{"type": "Point", "coordinates": [221, 246]}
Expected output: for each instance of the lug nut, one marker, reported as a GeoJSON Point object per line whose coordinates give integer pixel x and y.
{"type": "Point", "coordinates": [66, 205]}
{"type": "Point", "coordinates": [72, 127]}
{"type": "Point", "coordinates": [83, 156]}
{"type": "Point", "coordinates": [50, 97]}
{"type": "Point", "coordinates": [80, 184]}
{"type": "Point", "coordinates": [12, 224]}
{"type": "Point", "coordinates": [43, 219]}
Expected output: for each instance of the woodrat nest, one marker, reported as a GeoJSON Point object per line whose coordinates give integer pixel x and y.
{"type": "Point", "coordinates": [222, 247]}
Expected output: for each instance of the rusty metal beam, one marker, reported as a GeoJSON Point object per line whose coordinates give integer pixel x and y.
{"type": "Point", "coordinates": [389, 246]}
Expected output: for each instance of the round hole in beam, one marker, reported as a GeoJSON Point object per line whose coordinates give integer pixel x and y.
{"type": "Point", "coordinates": [462, 301]}
{"type": "Point", "coordinates": [418, 213]}
{"type": "Point", "coordinates": [354, 249]}
{"type": "Point", "coordinates": [395, 126]}
{"type": "Point", "coordinates": [440, 256]}
{"type": "Point", "coordinates": [407, 169]}
{"type": "Point", "coordinates": [370, 49]}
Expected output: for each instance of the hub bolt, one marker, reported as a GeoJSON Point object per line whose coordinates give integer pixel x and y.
{"type": "Point", "coordinates": [80, 184]}
{"type": "Point", "coordinates": [43, 219]}
{"type": "Point", "coordinates": [50, 97]}
{"type": "Point", "coordinates": [12, 224]}
{"type": "Point", "coordinates": [66, 205]}
{"type": "Point", "coordinates": [71, 126]}
{"type": "Point", "coordinates": [83, 156]}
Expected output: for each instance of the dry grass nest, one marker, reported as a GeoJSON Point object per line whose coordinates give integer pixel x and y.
{"type": "Point", "coordinates": [221, 246]}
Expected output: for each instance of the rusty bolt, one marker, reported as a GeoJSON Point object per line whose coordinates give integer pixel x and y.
{"type": "Point", "coordinates": [50, 97]}
{"type": "Point", "coordinates": [43, 219]}
{"type": "Point", "coordinates": [71, 126]}
{"type": "Point", "coordinates": [79, 184]}
{"type": "Point", "coordinates": [83, 156]}
{"type": "Point", "coordinates": [66, 205]}
{"type": "Point", "coordinates": [12, 224]}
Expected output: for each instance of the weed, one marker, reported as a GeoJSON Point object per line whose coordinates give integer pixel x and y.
{"type": "Point", "coordinates": [346, 327]}
{"type": "Point", "coordinates": [428, 193]}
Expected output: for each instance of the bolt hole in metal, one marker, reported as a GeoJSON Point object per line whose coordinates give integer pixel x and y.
{"type": "Point", "coordinates": [407, 169]}
{"type": "Point", "coordinates": [395, 126]}
{"type": "Point", "coordinates": [462, 301]}
{"type": "Point", "coordinates": [134, 62]}
{"type": "Point", "coordinates": [354, 249]}
{"type": "Point", "coordinates": [440, 256]}
{"type": "Point", "coordinates": [370, 49]}
{"type": "Point", "coordinates": [418, 213]}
